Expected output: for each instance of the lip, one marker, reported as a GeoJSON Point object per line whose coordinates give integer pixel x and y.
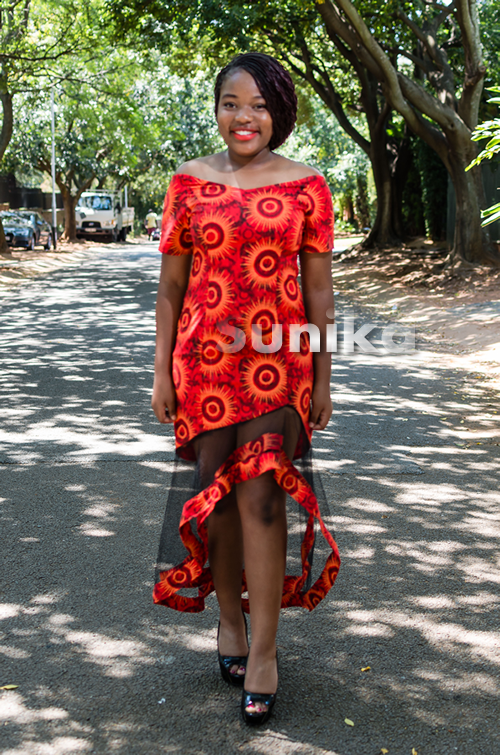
{"type": "Point", "coordinates": [244, 137]}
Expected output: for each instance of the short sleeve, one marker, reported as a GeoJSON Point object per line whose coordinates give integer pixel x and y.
{"type": "Point", "coordinates": [317, 236]}
{"type": "Point", "coordinates": [176, 236]}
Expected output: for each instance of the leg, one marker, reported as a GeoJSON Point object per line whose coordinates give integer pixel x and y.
{"type": "Point", "coordinates": [225, 544]}
{"type": "Point", "coordinates": [262, 506]}
{"type": "Point", "coordinates": [225, 547]}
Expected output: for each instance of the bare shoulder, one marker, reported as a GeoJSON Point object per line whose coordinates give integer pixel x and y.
{"type": "Point", "coordinates": [200, 167]}
{"type": "Point", "coordinates": [294, 170]}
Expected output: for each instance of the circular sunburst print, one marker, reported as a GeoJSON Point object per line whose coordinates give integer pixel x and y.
{"type": "Point", "coordinates": [302, 397]}
{"type": "Point", "coordinates": [215, 233]}
{"type": "Point", "coordinates": [197, 264]}
{"type": "Point", "coordinates": [269, 209]}
{"type": "Point", "coordinates": [183, 430]}
{"type": "Point", "coordinates": [265, 379]}
{"type": "Point", "coordinates": [314, 201]}
{"type": "Point", "coordinates": [261, 263]}
{"type": "Point", "coordinates": [213, 361]}
{"type": "Point", "coordinates": [214, 192]}
{"type": "Point", "coordinates": [288, 289]}
{"type": "Point", "coordinates": [218, 297]}
{"type": "Point", "coordinates": [181, 240]}
{"type": "Point", "coordinates": [185, 318]}
{"type": "Point", "coordinates": [179, 378]}
{"type": "Point", "coordinates": [216, 406]}
{"type": "Point", "coordinates": [313, 244]}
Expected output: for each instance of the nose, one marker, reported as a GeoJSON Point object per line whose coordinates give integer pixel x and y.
{"type": "Point", "coordinates": [244, 114]}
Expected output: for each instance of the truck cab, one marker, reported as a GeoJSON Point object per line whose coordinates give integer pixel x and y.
{"type": "Point", "coordinates": [101, 214]}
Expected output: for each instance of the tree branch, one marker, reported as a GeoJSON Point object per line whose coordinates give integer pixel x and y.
{"type": "Point", "coordinates": [327, 93]}
{"type": "Point", "coordinates": [428, 39]}
{"type": "Point", "coordinates": [426, 67]}
{"type": "Point", "coordinates": [335, 25]}
{"type": "Point", "coordinates": [475, 70]}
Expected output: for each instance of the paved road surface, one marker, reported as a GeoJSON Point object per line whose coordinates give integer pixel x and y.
{"type": "Point", "coordinates": [84, 471]}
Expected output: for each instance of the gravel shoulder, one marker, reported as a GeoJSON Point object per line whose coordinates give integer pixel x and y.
{"type": "Point", "coordinates": [457, 317]}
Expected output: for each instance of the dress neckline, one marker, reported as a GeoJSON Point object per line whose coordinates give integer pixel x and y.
{"type": "Point", "coordinates": [256, 188]}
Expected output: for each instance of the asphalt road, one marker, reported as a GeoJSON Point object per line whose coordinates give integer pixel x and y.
{"type": "Point", "coordinates": [84, 471]}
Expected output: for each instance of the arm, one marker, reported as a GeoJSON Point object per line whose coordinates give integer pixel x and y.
{"type": "Point", "coordinates": [317, 290]}
{"type": "Point", "coordinates": [174, 278]}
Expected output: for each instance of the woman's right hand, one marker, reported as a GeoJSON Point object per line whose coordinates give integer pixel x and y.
{"type": "Point", "coordinates": [163, 400]}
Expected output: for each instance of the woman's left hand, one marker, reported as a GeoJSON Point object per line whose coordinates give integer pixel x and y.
{"type": "Point", "coordinates": [321, 408]}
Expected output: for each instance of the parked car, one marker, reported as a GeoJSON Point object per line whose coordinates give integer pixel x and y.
{"type": "Point", "coordinates": [42, 231]}
{"type": "Point", "coordinates": [18, 231]}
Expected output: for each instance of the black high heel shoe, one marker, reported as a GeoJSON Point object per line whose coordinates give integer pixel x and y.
{"type": "Point", "coordinates": [227, 661]}
{"type": "Point", "coordinates": [251, 698]}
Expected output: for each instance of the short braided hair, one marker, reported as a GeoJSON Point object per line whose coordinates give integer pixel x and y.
{"type": "Point", "coordinates": [275, 85]}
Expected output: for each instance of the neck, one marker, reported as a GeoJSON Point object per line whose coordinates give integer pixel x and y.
{"type": "Point", "coordinates": [237, 162]}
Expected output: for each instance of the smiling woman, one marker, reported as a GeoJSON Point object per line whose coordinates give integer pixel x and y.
{"type": "Point", "coordinates": [234, 226]}
{"type": "Point", "coordinates": [269, 90]}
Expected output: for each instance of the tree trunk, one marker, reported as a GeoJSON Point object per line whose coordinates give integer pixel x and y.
{"type": "Point", "coordinates": [5, 136]}
{"type": "Point", "coordinates": [471, 243]}
{"type": "Point", "coordinates": [7, 121]}
{"type": "Point", "coordinates": [400, 172]}
{"type": "Point", "coordinates": [362, 208]}
{"type": "Point", "coordinates": [69, 204]}
{"type": "Point", "coordinates": [384, 232]}
{"type": "Point", "coordinates": [4, 249]}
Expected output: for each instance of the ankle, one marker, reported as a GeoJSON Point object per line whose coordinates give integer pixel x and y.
{"type": "Point", "coordinates": [263, 652]}
{"type": "Point", "coordinates": [232, 621]}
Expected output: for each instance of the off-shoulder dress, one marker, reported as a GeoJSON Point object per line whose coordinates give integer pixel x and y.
{"type": "Point", "coordinates": [236, 403]}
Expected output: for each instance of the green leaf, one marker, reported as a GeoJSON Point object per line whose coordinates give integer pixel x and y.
{"type": "Point", "coordinates": [491, 213]}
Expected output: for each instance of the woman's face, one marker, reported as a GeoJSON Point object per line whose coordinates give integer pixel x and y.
{"type": "Point", "coordinates": [244, 122]}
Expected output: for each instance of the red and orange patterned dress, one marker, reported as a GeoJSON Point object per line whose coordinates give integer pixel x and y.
{"type": "Point", "coordinates": [244, 245]}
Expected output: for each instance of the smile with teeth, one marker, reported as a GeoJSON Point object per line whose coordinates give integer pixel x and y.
{"type": "Point", "coordinates": [244, 134]}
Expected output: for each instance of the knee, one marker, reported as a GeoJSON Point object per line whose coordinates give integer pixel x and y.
{"type": "Point", "coordinates": [261, 500]}
{"type": "Point", "coordinates": [226, 505]}
{"type": "Point", "coordinates": [267, 510]}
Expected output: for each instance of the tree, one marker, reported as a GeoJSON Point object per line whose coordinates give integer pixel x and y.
{"type": "Point", "coordinates": [117, 118]}
{"type": "Point", "coordinates": [431, 106]}
{"type": "Point", "coordinates": [34, 38]}
{"type": "Point", "coordinates": [292, 32]}
{"type": "Point", "coordinates": [422, 60]}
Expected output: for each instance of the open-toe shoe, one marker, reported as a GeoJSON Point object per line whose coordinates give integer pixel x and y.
{"type": "Point", "coordinates": [252, 698]}
{"type": "Point", "coordinates": [226, 662]}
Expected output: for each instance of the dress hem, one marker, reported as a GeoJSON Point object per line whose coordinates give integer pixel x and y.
{"type": "Point", "coordinates": [247, 462]}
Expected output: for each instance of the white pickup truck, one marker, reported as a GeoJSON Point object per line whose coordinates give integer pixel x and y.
{"type": "Point", "coordinates": [102, 214]}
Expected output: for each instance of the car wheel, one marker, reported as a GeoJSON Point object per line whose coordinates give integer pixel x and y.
{"type": "Point", "coordinates": [31, 245]}
{"type": "Point", "coordinates": [48, 245]}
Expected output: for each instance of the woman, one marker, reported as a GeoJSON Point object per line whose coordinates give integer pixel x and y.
{"type": "Point", "coordinates": [244, 404]}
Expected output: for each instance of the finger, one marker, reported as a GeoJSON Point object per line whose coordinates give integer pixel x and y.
{"type": "Point", "coordinates": [170, 410]}
{"type": "Point", "coordinates": [321, 421]}
{"type": "Point", "coordinates": [314, 417]}
{"type": "Point", "coordinates": [159, 411]}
